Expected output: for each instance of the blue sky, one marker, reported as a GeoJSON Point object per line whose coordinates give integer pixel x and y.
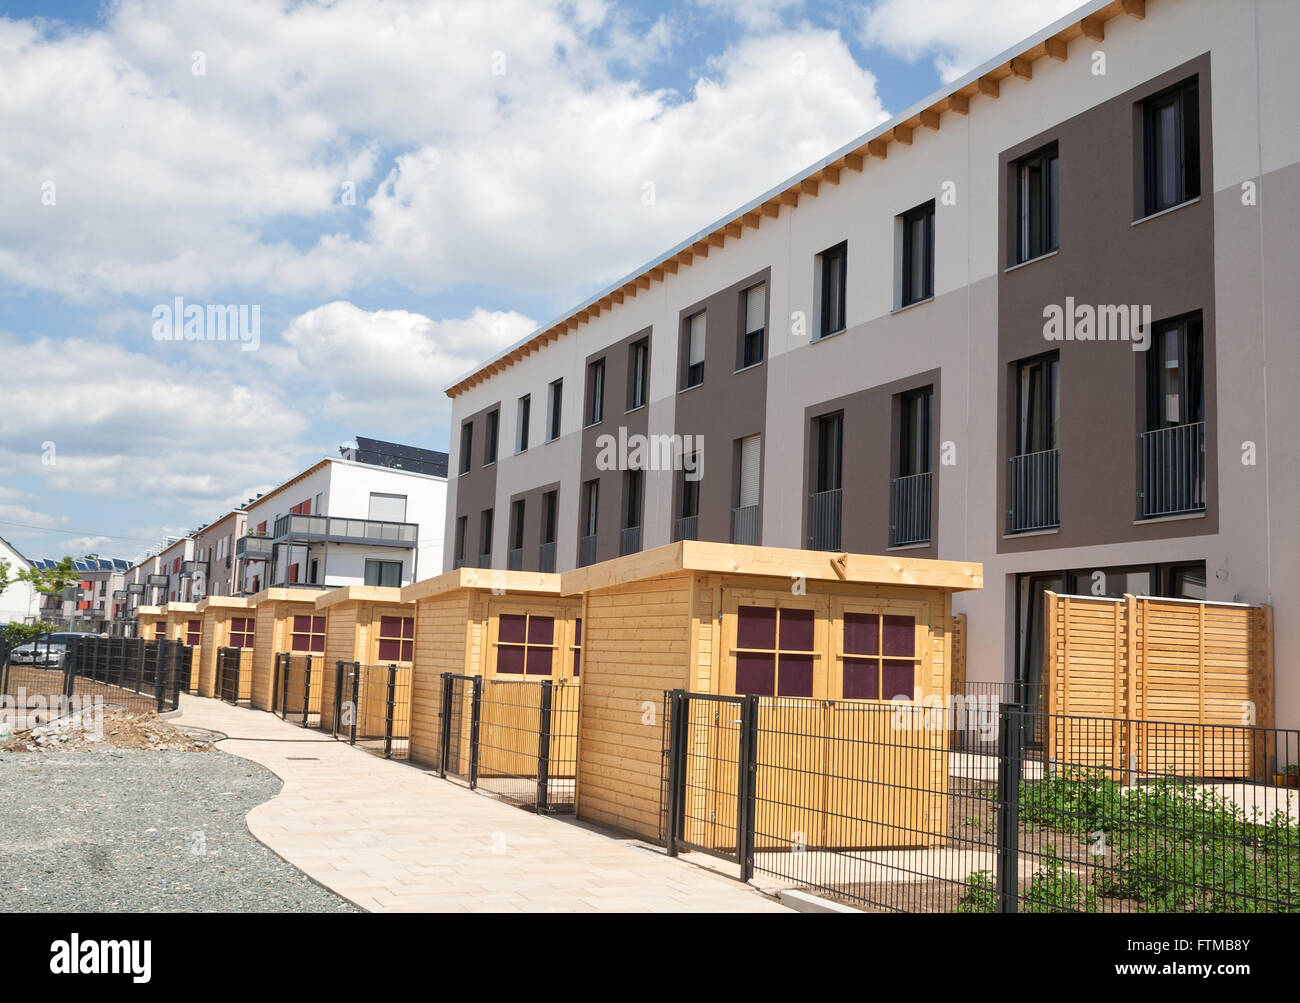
{"type": "Point", "coordinates": [399, 188]}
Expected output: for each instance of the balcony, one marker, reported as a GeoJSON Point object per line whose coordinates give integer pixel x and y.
{"type": "Point", "coordinates": [744, 525]}
{"type": "Point", "coordinates": [587, 551]}
{"type": "Point", "coordinates": [1173, 471]}
{"type": "Point", "coordinates": [336, 529]}
{"type": "Point", "coordinates": [911, 523]}
{"type": "Point", "coordinates": [485, 561]}
{"type": "Point", "coordinates": [688, 527]}
{"type": "Point", "coordinates": [546, 559]}
{"type": "Point", "coordinates": [515, 559]}
{"type": "Point", "coordinates": [194, 568]}
{"type": "Point", "coordinates": [1034, 484]}
{"type": "Point", "coordinates": [629, 540]}
{"type": "Point", "coordinates": [253, 548]}
{"type": "Point", "coordinates": [824, 513]}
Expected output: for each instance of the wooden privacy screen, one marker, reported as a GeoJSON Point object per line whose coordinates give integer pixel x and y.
{"type": "Point", "coordinates": [958, 653]}
{"type": "Point", "coordinates": [1155, 660]}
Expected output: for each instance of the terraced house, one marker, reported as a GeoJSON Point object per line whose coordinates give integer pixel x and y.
{"type": "Point", "coordinates": [1043, 320]}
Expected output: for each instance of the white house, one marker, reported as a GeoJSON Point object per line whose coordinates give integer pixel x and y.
{"type": "Point", "coordinates": [18, 601]}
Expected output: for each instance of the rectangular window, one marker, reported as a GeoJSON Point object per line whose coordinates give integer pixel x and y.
{"type": "Point", "coordinates": [830, 452]}
{"type": "Point", "coordinates": [690, 490]}
{"type": "Point", "coordinates": [485, 539]}
{"type": "Point", "coordinates": [308, 634]}
{"type": "Point", "coordinates": [751, 452]}
{"type": "Point", "coordinates": [550, 515]}
{"type": "Point", "coordinates": [462, 532]}
{"type": "Point", "coordinates": [834, 265]}
{"type": "Point", "coordinates": [241, 631]}
{"type": "Point", "coordinates": [632, 486]}
{"type": "Point", "coordinates": [555, 410]}
{"type": "Point", "coordinates": [595, 392]}
{"type": "Point", "coordinates": [396, 639]}
{"type": "Point", "coordinates": [1171, 147]}
{"type": "Point", "coordinates": [491, 438]}
{"type": "Point", "coordinates": [1038, 405]}
{"type": "Point", "coordinates": [525, 644]}
{"type": "Point", "coordinates": [918, 254]}
{"type": "Point", "coordinates": [755, 319]}
{"type": "Point", "coordinates": [386, 574]}
{"type": "Point", "coordinates": [774, 651]}
{"type": "Point", "coordinates": [517, 524]}
{"type": "Point", "coordinates": [194, 632]}
{"type": "Point", "coordinates": [590, 507]}
{"type": "Point", "coordinates": [638, 389]}
{"type": "Point", "coordinates": [387, 507]}
{"type": "Point", "coordinates": [466, 450]}
{"type": "Point", "coordinates": [694, 351]}
{"type": "Point", "coordinates": [1175, 376]}
{"type": "Point", "coordinates": [1036, 196]}
{"type": "Point", "coordinates": [879, 656]}
{"type": "Point", "coordinates": [914, 432]}
{"type": "Point", "coordinates": [525, 413]}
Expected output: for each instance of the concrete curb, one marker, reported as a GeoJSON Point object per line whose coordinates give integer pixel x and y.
{"type": "Point", "coordinates": [806, 902]}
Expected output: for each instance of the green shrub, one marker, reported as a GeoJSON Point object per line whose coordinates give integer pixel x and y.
{"type": "Point", "coordinates": [980, 895]}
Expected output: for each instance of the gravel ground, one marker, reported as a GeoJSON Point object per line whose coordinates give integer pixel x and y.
{"type": "Point", "coordinates": [124, 830]}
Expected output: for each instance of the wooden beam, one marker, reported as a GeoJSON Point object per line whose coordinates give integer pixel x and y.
{"type": "Point", "coordinates": [808, 186]}
{"type": "Point", "coordinates": [903, 134]}
{"type": "Point", "coordinates": [853, 161]}
{"type": "Point", "coordinates": [700, 248]}
{"type": "Point", "coordinates": [878, 148]}
{"type": "Point", "coordinates": [686, 257]}
{"type": "Point", "coordinates": [790, 198]}
{"type": "Point", "coordinates": [717, 238]}
{"type": "Point", "coordinates": [643, 281]}
{"type": "Point", "coordinates": [733, 230]}
{"type": "Point", "coordinates": [930, 119]}
{"type": "Point", "coordinates": [606, 302]}
{"type": "Point", "coordinates": [1094, 28]}
{"type": "Point", "coordinates": [1023, 68]}
{"type": "Point", "coordinates": [989, 87]}
{"type": "Point", "coordinates": [831, 175]}
{"type": "Point", "coordinates": [1134, 8]}
{"type": "Point", "coordinates": [959, 103]}
{"type": "Point", "coordinates": [840, 565]}
{"type": "Point", "coordinates": [1057, 47]}
{"type": "Point", "coordinates": [584, 316]}
{"type": "Point", "coordinates": [752, 219]}
{"type": "Point", "coordinates": [772, 208]}
{"type": "Point", "coordinates": [670, 266]}
{"type": "Point", "coordinates": [657, 273]}
{"type": "Point", "coordinates": [617, 295]}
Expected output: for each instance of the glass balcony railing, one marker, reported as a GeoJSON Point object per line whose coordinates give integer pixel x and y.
{"type": "Point", "coordinates": [253, 548]}
{"type": "Point", "coordinates": [337, 529]}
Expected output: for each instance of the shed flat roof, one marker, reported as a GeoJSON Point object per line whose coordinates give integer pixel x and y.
{"type": "Point", "coordinates": [358, 593]}
{"type": "Point", "coordinates": [480, 578]}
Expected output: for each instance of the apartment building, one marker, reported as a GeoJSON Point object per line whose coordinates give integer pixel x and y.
{"type": "Point", "coordinates": [373, 516]}
{"type": "Point", "coordinates": [213, 569]}
{"type": "Point", "coordinates": [18, 602]}
{"type": "Point", "coordinates": [1041, 320]}
{"type": "Point", "coordinates": [92, 602]}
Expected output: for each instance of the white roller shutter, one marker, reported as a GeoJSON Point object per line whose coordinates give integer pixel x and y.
{"type": "Point", "coordinates": [755, 308]}
{"type": "Point", "coordinates": [751, 449]}
{"type": "Point", "coordinates": [697, 340]}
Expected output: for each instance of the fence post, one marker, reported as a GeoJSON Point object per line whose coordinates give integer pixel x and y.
{"type": "Point", "coordinates": [356, 702]}
{"type": "Point", "coordinates": [473, 731]}
{"type": "Point", "coordinates": [388, 711]}
{"type": "Point", "coordinates": [69, 674]}
{"type": "Point", "coordinates": [674, 704]}
{"type": "Point", "coordinates": [748, 789]}
{"type": "Point", "coordinates": [139, 671]}
{"type": "Point", "coordinates": [544, 746]}
{"type": "Point", "coordinates": [306, 690]}
{"type": "Point", "coordinates": [338, 698]}
{"type": "Point", "coordinates": [160, 675]}
{"type": "Point", "coordinates": [1010, 749]}
{"type": "Point", "coordinates": [444, 726]}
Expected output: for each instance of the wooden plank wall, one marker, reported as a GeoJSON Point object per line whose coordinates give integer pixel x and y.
{"type": "Point", "coordinates": [636, 643]}
{"type": "Point", "coordinates": [446, 631]}
{"type": "Point", "coordinates": [266, 642]}
{"type": "Point", "coordinates": [1156, 660]}
{"type": "Point", "coordinates": [958, 654]}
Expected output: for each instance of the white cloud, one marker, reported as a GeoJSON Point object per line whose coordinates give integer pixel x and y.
{"type": "Point", "coordinates": [957, 35]}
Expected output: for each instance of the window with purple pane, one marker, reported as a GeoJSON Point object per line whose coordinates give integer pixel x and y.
{"type": "Point", "coordinates": [756, 627]}
{"type": "Point", "coordinates": [512, 628]}
{"type": "Point", "coordinates": [897, 679]}
{"type": "Point", "coordinates": [899, 636]}
{"type": "Point", "coordinates": [577, 647]}
{"type": "Point", "coordinates": [755, 673]}
{"type": "Point", "coordinates": [796, 630]}
{"type": "Point", "coordinates": [795, 678]}
{"type": "Point", "coordinates": [862, 633]}
{"type": "Point", "coordinates": [538, 661]}
{"type": "Point", "coordinates": [541, 629]}
{"type": "Point", "coordinates": [861, 679]}
{"type": "Point", "coordinates": [510, 660]}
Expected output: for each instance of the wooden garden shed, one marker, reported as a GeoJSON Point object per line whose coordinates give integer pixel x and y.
{"type": "Point", "coordinates": [824, 640]}
{"type": "Point", "coordinates": [370, 625]}
{"type": "Point", "coordinates": [184, 623]}
{"type": "Point", "coordinates": [513, 628]}
{"type": "Point", "coordinates": [150, 622]}
{"type": "Point", "coordinates": [228, 622]}
{"type": "Point", "coordinates": [286, 620]}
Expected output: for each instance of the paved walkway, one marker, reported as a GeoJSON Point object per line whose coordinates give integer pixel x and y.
{"type": "Point", "coordinates": [393, 838]}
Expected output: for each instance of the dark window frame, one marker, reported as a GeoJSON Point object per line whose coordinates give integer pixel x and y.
{"type": "Point", "coordinates": [1190, 331]}
{"type": "Point", "coordinates": [638, 374]}
{"type": "Point", "coordinates": [1028, 243]}
{"type": "Point", "coordinates": [1048, 392]}
{"type": "Point", "coordinates": [594, 412]}
{"type": "Point", "coordinates": [753, 344]}
{"type": "Point", "coordinates": [829, 429]}
{"type": "Point", "coordinates": [693, 375]}
{"type": "Point", "coordinates": [523, 423]}
{"type": "Point", "coordinates": [492, 436]}
{"type": "Point", "coordinates": [915, 461]}
{"type": "Point", "coordinates": [466, 448]}
{"type": "Point", "coordinates": [827, 262]}
{"type": "Point", "coordinates": [555, 411]}
{"type": "Point", "coordinates": [1184, 99]}
{"type": "Point", "coordinates": [923, 214]}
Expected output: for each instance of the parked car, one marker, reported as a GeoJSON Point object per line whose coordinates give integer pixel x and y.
{"type": "Point", "coordinates": [48, 651]}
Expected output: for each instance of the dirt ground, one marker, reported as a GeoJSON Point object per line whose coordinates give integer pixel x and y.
{"type": "Point", "coordinates": [97, 728]}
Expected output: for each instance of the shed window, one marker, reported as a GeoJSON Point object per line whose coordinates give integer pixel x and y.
{"type": "Point", "coordinates": [193, 632]}
{"type": "Point", "coordinates": [241, 631]}
{"type": "Point", "coordinates": [879, 656]}
{"type": "Point", "coordinates": [577, 647]}
{"type": "Point", "coordinates": [396, 638]}
{"type": "Point", "coordinates": [774, 651]}
{"type": "Point", "coordinates": [308, 633]}
{"type": "Point", "coordinates": [525, 644]}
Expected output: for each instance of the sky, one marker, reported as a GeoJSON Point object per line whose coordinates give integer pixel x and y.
{"type": "Point", "coordinates": [391, 191]}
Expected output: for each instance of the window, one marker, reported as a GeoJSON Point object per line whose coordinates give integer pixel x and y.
{"type": "Point", "coordinates": [387, 574]}
{"type": "Point", "coordinates": [576, 647]}
{"type": "Point", "coordinates": [485, 539]}
{"type": "Point", "coordinates": [1038, 405]}
{"type": "Point", "coordinates": [466, 448]}
{"type": "Point", "coordinates": [525, 410]}
{"type": "Point", "coordinates": [517, 524]}
{"type": "Point", "coordinates": [918, 254]}
{"type": "Point", "coordinates": [879, 656]}
{"type": "Point", "coordinates": [1175, 376]}
{"type": "Point", "coordinates": [387, 508]}
{"type": "Point", "coordinates": [834, 263]}
{"type": "Point", "coordinates": [1036, 187]}
{"type": "Point", "coordinates": [694, 351]}
{"type": "Point", "coordinates": [241, 631]}
{"type": "Point", "coordinates": [525, 644]}
{"type": "Point", "coordinates": [754, 312]}
{"type": "Point", "coordinates": [638, 389]}
{"type": "Point", "coordinates": [914, 432]}
{"type": "Point", "coordinates": [555, 409]}
{"type": "Point", "coordinates": [632, 483]}
{"type": "Point", "coordinates": [193, 632]}
{"type": "Point", "coordinates": [774, 651]}
{"type": "Point", "coordinates": [830, 452]}
{"type": "Point", "coordinates": [462, 532]}
{"type": "Point", "coordinates": [1171, 148]}
{"type": "Point", "coordinates": [396, 639]}
{"type": "Point", "coordinates": [308, 634]}
{"type": "Point", "coordinates": [590, 507]}
{"type": "Point", "coordinates": [690, 489]}
{"type": "Point", "coordinates": [492, 436]}
{"type": "Point", "coordinates": [550, 515]}
{"type": "Point", "coordinates": [595, 392]}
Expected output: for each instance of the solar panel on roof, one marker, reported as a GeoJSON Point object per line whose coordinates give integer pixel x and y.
{"type": "Point", "coordinates": [397, 456]}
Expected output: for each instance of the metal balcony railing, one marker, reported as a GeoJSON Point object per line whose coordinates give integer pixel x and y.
{"type": "Point", "coordinates": [254, 548]}
{"type": "Point", "coordinates": [1173, 471]}
{"type": "Point", "coordinates": [744, 525]}
{"type": "Point", "coordinates": [1033, 502]}
{"type": "Point", "coordinates": [688, 527]}
{"type": "Point", "coordinates": [824, 520]}
{"type": "Point", "coordinates": [485, 560]}
{"type": "Point", "coordinates": [587, 551]}
{"type": "Point", "coordinates": [629, 540]}
{"type": "Point", "coordinates": [911, 523]}
{"type": "Point", "coordinates": [546, 558]}
{"type": "Point", "coordinates": [336, 529]}
{"type": "Point", "coordinates": [515, 559]}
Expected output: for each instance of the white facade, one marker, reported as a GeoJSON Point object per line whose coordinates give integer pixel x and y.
{"type": "Point", "coordinates": [19, 600]}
